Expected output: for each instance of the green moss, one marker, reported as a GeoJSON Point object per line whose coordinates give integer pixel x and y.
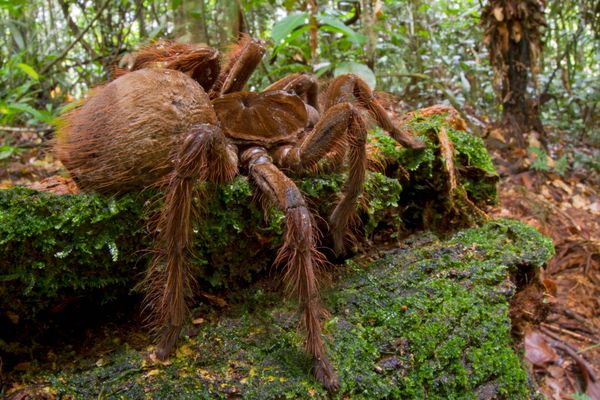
{"type": "Point", "coordinates": [427, 322]}
{"type": "Point", "coordinates": [59, 247]}
{"type": "Point", "coordinates": [50, 242]}
{"type": "Point", "coordinates": [427, 200]}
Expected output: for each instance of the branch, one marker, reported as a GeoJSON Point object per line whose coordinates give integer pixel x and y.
{"type": "Point", "coordinates": [77, 39]}
{"type": "Point", "coordinates": [564, 54]}
{"type": "Point", "coordinates": [73, 26]}
{"type": "Point", "coordinates": [356, 16]}
{"type": "Point", "coordinates": [18, 129]}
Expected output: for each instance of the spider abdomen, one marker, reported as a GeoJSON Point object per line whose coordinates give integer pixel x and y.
{"type": "Point", "coordinates": [124, 135]}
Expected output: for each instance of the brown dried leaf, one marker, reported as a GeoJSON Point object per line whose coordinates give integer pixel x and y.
{"type": "Point", "coordinates": [527, 182]}
{"type": "Point", "coordinates": [578, 201]}
{"type": "Point", "coordinates": [219, 301]}
{"type": "Point", "coordinates": [537, 350]}
{"type": "Point", "coordinates": [550, 286]}
{"type": "Point", "coordinates": [499, 14]}
{"type": "Point", "coordinates": [559, 183]}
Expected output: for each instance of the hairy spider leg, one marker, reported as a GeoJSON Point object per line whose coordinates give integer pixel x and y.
{"type": "Point", "coordinates": [204, 155]}
{"type": "Point", "coordinates": [298, 254]}
{"type": "Point", "coordinates": [304, 85]}
{"type": "Point", "coordinates": [347, 88]}
{"type": "Point", "coordinates": [242, 60]}
{"type": "Point", "coordinates": [342, 125]}
{"type": "Point", "coordinates": [201, 63]}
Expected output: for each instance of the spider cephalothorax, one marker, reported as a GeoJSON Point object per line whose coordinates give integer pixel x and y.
{"type": "Point", "coordinates": [156, 125]}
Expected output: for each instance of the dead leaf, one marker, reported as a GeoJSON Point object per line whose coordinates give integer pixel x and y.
{"type": "Point", "coordinates": [559, 183]}
{"type": "Point", "coordinates": [578, 201]}
{"type": "Point", "coordinates": [499, 14]}
{"type": "Point", "coordinates": [546, 192]}
{"type": "Point", "coordinates": [497, 134]}
{"type": "Point", "coordinates": [537, 350]}
{"type": "Point", "coordinates": [153, 372]}
{"type": "Point", "coordinates": [526, 179]}
{"type": "Point", "coordinates": [219, 301]}
{"type": "Point", "coordinates": [550, 286]}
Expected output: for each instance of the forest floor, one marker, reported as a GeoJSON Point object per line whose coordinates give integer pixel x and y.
{"type": "Point", "coordinates": [563, 345]}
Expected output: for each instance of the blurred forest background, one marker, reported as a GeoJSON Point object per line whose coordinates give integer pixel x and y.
{"type": "Point", "coordinates": [485, 58]}
{"type": "Point", "coordinates": [524, 74]}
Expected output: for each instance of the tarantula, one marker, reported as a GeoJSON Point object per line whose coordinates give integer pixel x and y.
{"type": "Point", "coordinates": [175, 118]}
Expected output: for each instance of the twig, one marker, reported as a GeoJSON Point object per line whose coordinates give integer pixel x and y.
{"type": "Point", "coordinates": [18, 129]}
{"type": "Point", "coordinates": [560, 58]}
{"type": "Point", "coordinates": [77, 39]}
{"type": "Point", "coordinates": [592, 347]}
{"type": "Point", "coordinates": [580, 361]}
{"type": "Point", "coordinates": [567, 332]}
{"type": "Point", "coordinates": [572, 351]}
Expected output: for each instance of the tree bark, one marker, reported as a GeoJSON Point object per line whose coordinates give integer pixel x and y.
{"type": "Point", "coordinates": [512, 35]}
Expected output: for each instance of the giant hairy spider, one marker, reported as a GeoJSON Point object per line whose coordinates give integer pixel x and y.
{"type": "Point", "coordinates": [156, 125]}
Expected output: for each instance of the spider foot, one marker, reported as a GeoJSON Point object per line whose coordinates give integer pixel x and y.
{"type": "Point", "coordinates": [324, 373]}
{"type": "Point", "coordinates": [339, 246]}
{"type": "Point", "coordinates": [167, 342]}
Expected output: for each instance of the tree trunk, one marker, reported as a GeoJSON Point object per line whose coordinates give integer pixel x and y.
{"type": "Point", "coordinates": [520, 112]}
{"type": "Point", "coordinates": [512, 35]}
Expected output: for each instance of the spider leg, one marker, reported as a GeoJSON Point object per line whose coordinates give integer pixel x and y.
{"type": "Point", "coordinates": [298, 253]}
{"type": "Point", "coordinates": [346, 88]}
{"type": "Point", "coordinates": [204, 155]}
{"type": "Point", "coordinates": [243, 58]}
{"type": "Point", "coordinates": [201, 63]}
{"type": "Point", "coordinates": [300, 84]}
{"type": "Point", "coordinates": [342, 125]}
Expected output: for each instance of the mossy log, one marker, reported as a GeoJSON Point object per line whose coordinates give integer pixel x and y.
{"type": "Point", "coordinates": [429, 320]}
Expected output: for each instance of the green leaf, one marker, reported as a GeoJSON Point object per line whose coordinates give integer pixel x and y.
{"type": "Point", "coordinates": [290, 38]}
{"type": "Point", "coordinates": [562, 164]}
{"type": "Point", "coordinates": [16, 34]}
{"type": "Point", "coordinates": [361, 70]}
{"type": "Point", "coordinates": [42, 116]}
{"type": "Point", "coordinates": [6, 152]}
{"type": "Point", "coordinates": [287, 25]}
{"type": "Point", "coordinates": [339, 26]}
{"type": "Point", "coordinates": [540, 163]}
{"type": "Point", "coordinates": [29, 70]}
